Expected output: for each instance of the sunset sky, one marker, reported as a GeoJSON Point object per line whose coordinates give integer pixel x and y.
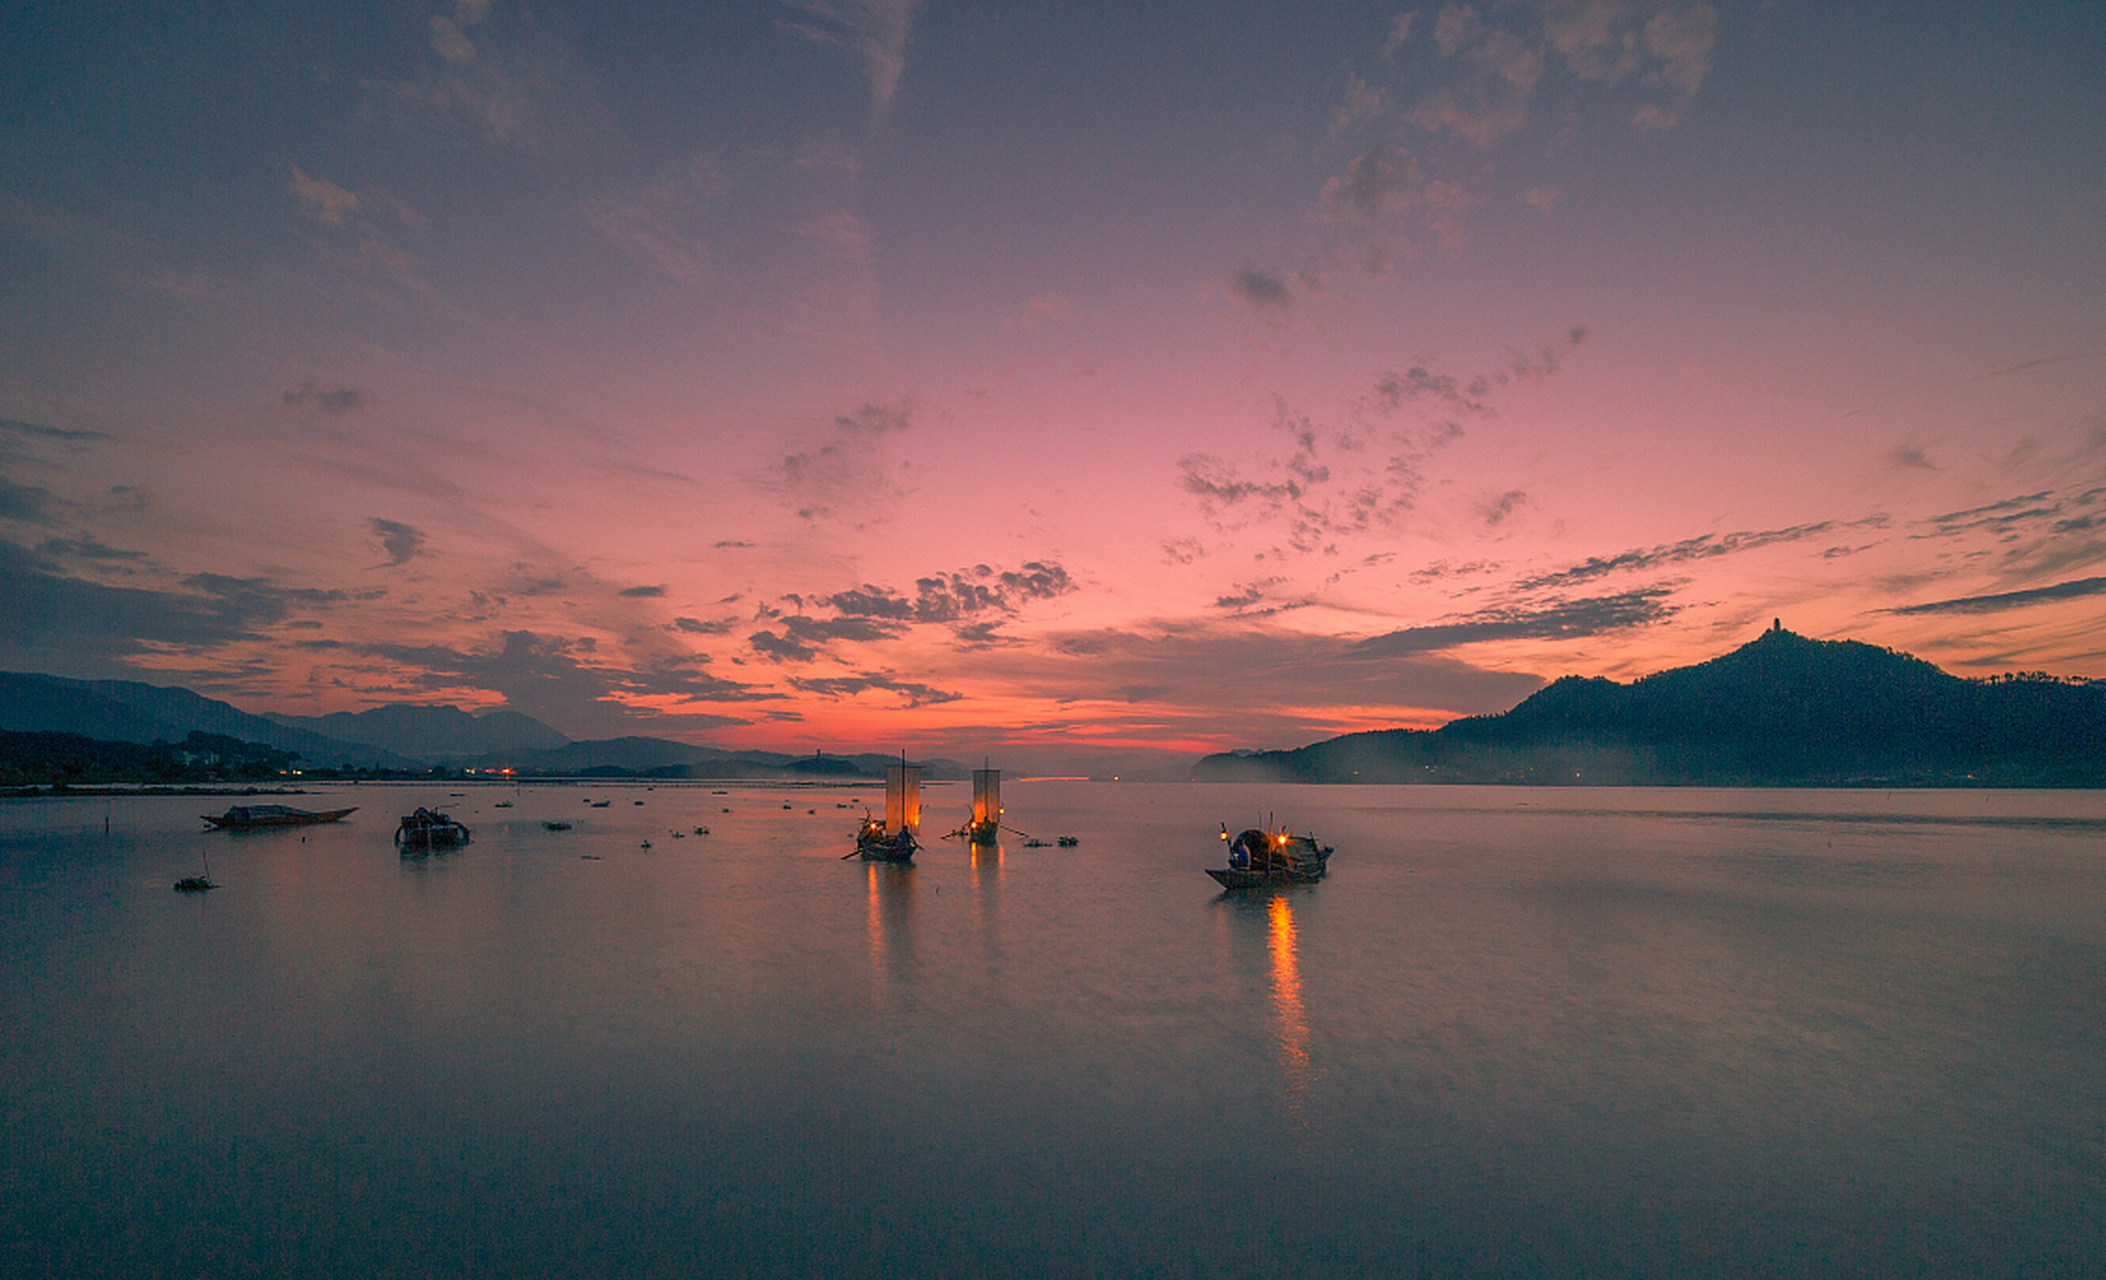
{"type": "Point", "coordinates": [1061, 381]}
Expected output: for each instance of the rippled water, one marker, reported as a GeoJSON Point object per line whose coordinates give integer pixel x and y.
{"type": "Point", "coordinates": [1516, 1032]}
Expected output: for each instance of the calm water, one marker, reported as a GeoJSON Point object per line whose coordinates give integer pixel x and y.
{"type": "Point", "coordinates": [1516, 1033]}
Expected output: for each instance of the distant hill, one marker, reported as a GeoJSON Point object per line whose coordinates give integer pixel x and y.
{"type": "Point", "coordinates": [399, 737]}
{"type": "Point", "coordinates": [42, 758]}
{"type": "Point", "coordinates": [440, 734]}
{"type": "Point", "coordinates": [130, 711]}
{"type": "Point", "coordinates": [1780, 710]}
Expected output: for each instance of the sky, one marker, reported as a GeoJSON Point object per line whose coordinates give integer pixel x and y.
{"type": "Point", "coordinates": [1073, 383]}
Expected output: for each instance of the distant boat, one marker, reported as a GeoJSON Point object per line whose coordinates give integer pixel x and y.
{"type": "Point", "coordinates": [985, 826]}
{"type": "Point", "coordinates": [1271, 857]}
{"type": "Point", "coordinates": [429, 829]}
{"type": "Point", "coordinates": [257, 817]}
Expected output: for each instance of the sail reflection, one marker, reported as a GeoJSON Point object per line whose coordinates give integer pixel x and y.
{"type": "Point", "coordinates": [1287, 1003]}
{"type": "Point", "coordinates": [890, 920]}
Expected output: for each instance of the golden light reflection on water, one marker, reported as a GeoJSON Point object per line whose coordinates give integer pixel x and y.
{"type": "Point", "coordinates": [890, 920]}
{"type": "Point", "coordinates": [984, 872]}
{"type": "Point", "coordinates": [1287, 1003]}
{"type": "Point", "coordinates": [876, 925]}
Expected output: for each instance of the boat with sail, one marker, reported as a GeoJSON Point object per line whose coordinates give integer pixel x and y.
{"type": "Point", "coordinates": [986, 822]}
{"type": "Point", "coordinates": [893, 838]}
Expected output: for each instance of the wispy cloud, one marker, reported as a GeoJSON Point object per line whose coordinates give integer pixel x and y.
{"type": "Point", "coordinates": [17, 438]}
{"type": "Point", "coordinates": [25, 503]}
{"type": "Point", "coordinates": [567, 681]}
{"type": "Point", "coordinates": [850, 475]}
{"type": "Point", "coordinates": [874, 30]}
{"type": "Point", "coordinates": [1702, 547]}
{"type": "Point", "coordinates": [503, 79]}
{"type": "Point", "coordinates": [913, 693]}
{"type": "Point", "coordinates": [1338, 480]}
{"type": "Point", "coordinates": [402, 542]}
{"type": "Point", "coordinates": [58, 621]}
{"type": "Point", "coordinates": [1260, 289]}
{"type": "Point", "coordinates": [1554, 620]}
{"type": "Point", "coordinates": [2002, 600]}
{"type": "Point", "coordinates": [310, 395]}
{"type": "Point", "coordinates": [662, 226]}
{"type": "Point", "coordinates": [971, 603]}
{"type": "Point", "coordinates": [1305, 685]}
{"type": "Point", "coordinates": [1478, 77]}
{"type": "Point", "coordinates": [367, 226]}
{"type": "Point", "coordinates": [2002, 518]}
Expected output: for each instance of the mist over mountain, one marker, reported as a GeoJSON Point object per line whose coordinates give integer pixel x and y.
{"type": "Point", "coordinates": [439, 734]}
{"type": "Point", "coordinates": [1781, 710]}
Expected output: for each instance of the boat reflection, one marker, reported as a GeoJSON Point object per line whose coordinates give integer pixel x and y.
{"type": "Point", "coordinates": [1293, 1023]}
{"type": "Point", "coordinates": [890, 921]}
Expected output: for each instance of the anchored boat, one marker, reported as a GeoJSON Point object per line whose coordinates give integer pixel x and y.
{"type": "Point", "coordinates": [429, 829]}
{"type": "Point", "coordinates": [259, 817]}
{"type": "Point", "coordinates": [1271, 857]}
{"type": "Point", "coordinates": [892, 840]}
{"type": "Point", "coordinates": [986, 823]}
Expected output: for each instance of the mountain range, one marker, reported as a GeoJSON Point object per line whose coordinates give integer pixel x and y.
{"type": "Point", "coordinates": [1782, 710]}
{"type": "Point", "coordinates": [399, 737]}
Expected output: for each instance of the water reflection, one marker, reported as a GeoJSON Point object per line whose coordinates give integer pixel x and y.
{"type": "Point", "coordinates": [1295, 1069]}
{"type": "Point", "coordinates": [984, 875]}
{"type": "Point", "coordinates": [891, 920]}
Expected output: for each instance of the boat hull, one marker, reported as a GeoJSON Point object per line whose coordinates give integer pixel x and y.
{"type": "Point", "coordinates": [1241, 878]}
{"type": "Point", "coordinates": [267, 817]}
{"type": "Point", "coordinates": [886, 850]}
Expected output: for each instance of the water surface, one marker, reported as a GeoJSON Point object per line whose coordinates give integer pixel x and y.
{"type": "Point", "coordinates": [1516, 1032]}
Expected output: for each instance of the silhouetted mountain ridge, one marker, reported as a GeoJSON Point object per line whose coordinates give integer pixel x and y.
{"type": "Point", "coordinates": [401, 736]}
{"type": "Point", "coordinates": [1780, 710]}
{"type": "Point", "coordinates": [439, 734]}
{"type": "Point", "coordinates": [132, 711]}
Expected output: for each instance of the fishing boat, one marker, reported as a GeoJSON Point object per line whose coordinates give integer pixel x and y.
{"type": "Point", "coordinates": [1270, 857]}
{"type": "Point", "coordinates": [429, 829]}
{"type": "Point", "coordinates": [892, 840]}
{"type": "Point", "coordinates": [259, 817]}
{"type": "Point", "coordinates": [986, 823]}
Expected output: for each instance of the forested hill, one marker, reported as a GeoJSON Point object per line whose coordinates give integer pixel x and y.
{"type": "Point", "coordinates": [1781, 710]}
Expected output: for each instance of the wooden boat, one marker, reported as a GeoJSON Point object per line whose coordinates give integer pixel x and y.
{"type": "Point", "coordinates": [1271, 857]}
{"type": "Point", "coordinates": [428, 829]}
{"type": "Point", "coordinates": [876, 843]}
{"type": "Point", "coordinates": [892, 840]}
{"type": "Point", "coordinates": [258, 817]}
{"type": "Point", "coordinates": [985, 826]}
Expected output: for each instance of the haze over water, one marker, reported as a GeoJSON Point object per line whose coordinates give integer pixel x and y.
{"type": "Point", "coordinates": [1516, 1032]}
